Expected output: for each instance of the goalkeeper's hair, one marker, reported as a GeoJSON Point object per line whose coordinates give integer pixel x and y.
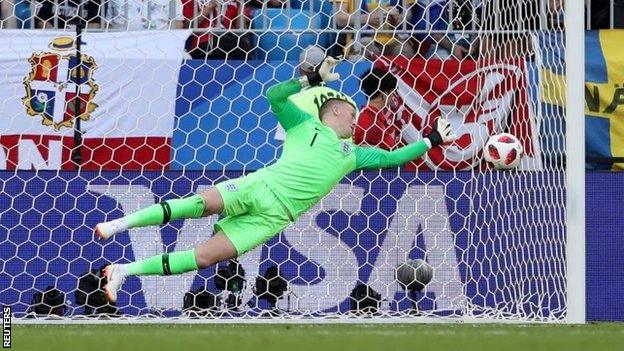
{"type": "Point", "coordinates": [328, 104]}
{"type": "Point", "coordinates": [376, 81]}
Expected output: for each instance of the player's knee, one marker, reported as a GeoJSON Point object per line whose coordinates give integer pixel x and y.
{"type": "Point", "coordinates": [205, 259]}
{"type": "Point", "coordinates": [214, 250]}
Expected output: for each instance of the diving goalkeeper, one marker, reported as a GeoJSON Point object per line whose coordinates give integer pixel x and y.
{"type": "Point", "coordinates": [315, 157]}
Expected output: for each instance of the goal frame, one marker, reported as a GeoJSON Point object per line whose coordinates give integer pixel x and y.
{"type": "Point", "coordinates": [575, 161]}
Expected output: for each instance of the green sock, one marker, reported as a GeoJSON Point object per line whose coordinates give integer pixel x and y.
{"type": "Point", "coordinates": [190, 207]}
{"type": "Point", "coordinates": [165, 264]}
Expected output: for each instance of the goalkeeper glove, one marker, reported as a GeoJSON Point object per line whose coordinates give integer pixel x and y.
{"type": "Point", "coordinates": [442, 133]}
{"type": "Point", "coordinates": [325, 73]}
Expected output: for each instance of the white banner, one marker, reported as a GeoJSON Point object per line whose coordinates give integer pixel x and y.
{"type": "Point", "coordinates": [127, 82]}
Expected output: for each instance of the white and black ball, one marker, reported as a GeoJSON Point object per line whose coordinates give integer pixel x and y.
{"type": "Point", "coordinates": [414, 274]}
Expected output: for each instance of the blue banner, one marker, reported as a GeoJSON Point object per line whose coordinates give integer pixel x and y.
{"type": "Point", "coordinates": [604, 209]}
{"type": "Point", "coordinates": [490, 250]}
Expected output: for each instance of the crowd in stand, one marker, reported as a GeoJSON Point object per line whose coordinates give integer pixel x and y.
{"type": "Point", "coordinates": [427, 28]}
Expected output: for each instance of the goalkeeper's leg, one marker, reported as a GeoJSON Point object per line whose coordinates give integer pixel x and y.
{"type": "Point", "coordinates": [216, 249]}
{"type": "Point", "coordinates": [205, 204]}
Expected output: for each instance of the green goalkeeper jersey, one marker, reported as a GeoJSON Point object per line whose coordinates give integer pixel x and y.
{"type": "Point", "coordinates": [313, 158]}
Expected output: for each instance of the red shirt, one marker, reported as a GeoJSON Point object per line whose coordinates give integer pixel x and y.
{"type": "Point", "coordinates": [383, 129]}
{"type": "Point", "coordinates": [377, 128]}
{"type": "Point", "coordinates": [222, 16]}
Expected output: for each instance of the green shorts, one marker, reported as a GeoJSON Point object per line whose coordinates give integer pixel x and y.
{"type": "Point", "coordinates": [253, 213]}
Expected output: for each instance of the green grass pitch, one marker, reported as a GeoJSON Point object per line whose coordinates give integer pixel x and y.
{"type": "Point", "coordinates": [277, 337]}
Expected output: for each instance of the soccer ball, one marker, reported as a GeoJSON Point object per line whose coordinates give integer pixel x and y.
{"type": "Point", "coordinates": [414, 274]}
{"type": "Point", "coordinates": [503, 151]}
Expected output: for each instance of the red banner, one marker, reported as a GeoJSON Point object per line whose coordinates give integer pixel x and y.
{"type": "Point", "coordinates": [54, 152]}
{"type": "Point", "coordinates": [478, 99]}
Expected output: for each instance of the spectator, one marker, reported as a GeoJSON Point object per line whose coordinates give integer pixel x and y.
{"type": "Point", "coordinates": [376, 15]}
{"type": "Point", "coordinates": [7, 14]}
{"type": "Point", "coordinates": [433, 15]}
{"type": "Point", "coordinates": [556, 14]}
{"type": "Point", "coordinates": [66, 14]}
{"type": "Point", "coordinates": [382, 122]}
{"type": "Point", "coordinates": [509, 17]}
{"type": "Point", "coordinates": [141, 15]}
{"type": "Point", "coordinates": [214, 14]}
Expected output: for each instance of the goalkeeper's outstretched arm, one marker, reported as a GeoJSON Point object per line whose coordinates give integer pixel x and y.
{"type": "Point", "coordinates": [279, 93]}
{"type": "Point", "coordinates": [287, 112]}
{"type": "Point", "coordinates": [375, 158]}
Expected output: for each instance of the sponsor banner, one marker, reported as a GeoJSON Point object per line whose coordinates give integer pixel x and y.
{"type": "Point", "coordinates": [604, 245]}
{"type": "Point", "coordinates": [123, 93]}
{"type": "Point", "coordinates": [484, 253]}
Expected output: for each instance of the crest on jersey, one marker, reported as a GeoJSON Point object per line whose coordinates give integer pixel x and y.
{"type": "Point", "coordinates": [57, 86]}
{"type": "Point", "coordinates": [231, 187]}
{"type": "Point", "coordinates": [346, 148]}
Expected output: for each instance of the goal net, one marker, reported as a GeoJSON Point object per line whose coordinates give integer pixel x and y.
{"type": "Point", "coordinates": [164, 101]}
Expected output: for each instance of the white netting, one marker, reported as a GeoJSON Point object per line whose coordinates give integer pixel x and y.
{"type": "Point", "coordinates": [152, 124]}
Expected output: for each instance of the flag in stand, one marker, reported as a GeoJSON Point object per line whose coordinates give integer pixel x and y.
{"type": "Point", "coordinates": [478, 99]}
{"type": "Point", "coordinates": [123, 92]}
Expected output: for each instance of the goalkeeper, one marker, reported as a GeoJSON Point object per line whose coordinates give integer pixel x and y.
{"type": "Point", "coordinates": [315, 157]}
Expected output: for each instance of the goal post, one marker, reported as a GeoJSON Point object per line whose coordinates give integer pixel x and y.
{"type": "Point", "coordinates": [157, 124]}
{"type": "Point", "coordinates": [575, 136]}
